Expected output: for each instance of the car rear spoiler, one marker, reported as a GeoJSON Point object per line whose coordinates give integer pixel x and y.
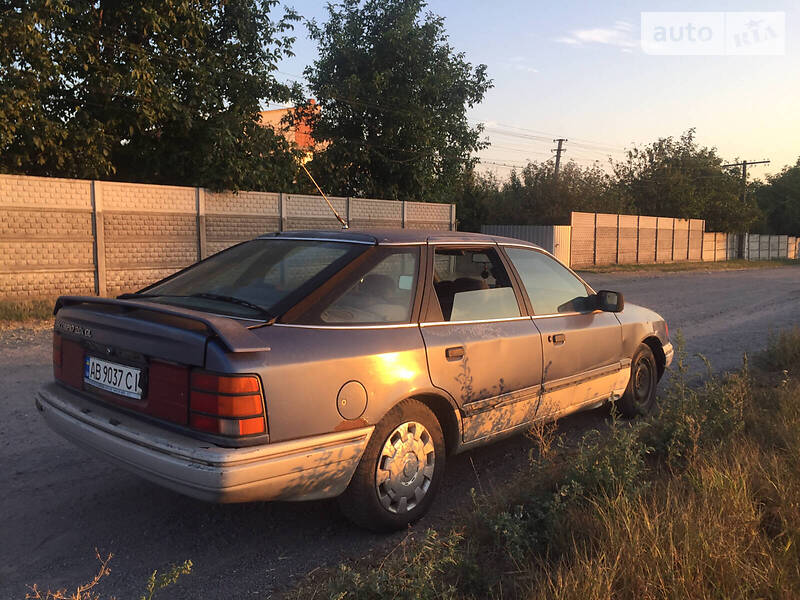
{"type": "Point", "coordinates": [235, 336]}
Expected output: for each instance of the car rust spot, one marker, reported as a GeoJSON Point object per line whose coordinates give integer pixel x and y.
{"type": "Point", "coordinates": [354, 424]}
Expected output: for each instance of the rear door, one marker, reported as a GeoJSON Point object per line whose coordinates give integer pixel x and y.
{"type": "Point", "coordinates": [481, 346]}
{"type": "Point", "coordinates": [582, 347]}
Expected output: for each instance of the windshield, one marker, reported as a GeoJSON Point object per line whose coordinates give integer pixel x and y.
{"type": "Point", "coordinates": [257, 278]}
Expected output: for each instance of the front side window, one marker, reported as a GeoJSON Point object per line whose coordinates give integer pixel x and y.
{"type": "Point", "coordinates": [381, 293]}
{"type": "Point", "coordinates": [473, 285]}
{"type": "Point", "coordinates": [551, 287]}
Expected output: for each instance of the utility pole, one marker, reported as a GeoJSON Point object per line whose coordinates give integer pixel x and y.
{"type": "Point", "coordinates": [744, 164]}
{"type": "Point", "coordinates": [558, 152]}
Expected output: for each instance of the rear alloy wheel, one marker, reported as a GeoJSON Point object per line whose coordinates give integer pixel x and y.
{"type": "Point", "coordinates": [640, 395]}
{"type": "Point", "coordinates": [397, 478]}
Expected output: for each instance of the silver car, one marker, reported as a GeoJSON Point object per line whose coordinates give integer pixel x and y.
{"type": "Point", "coordinates": [313, 364]}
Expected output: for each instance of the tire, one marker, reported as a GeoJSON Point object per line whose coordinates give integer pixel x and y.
{"type": "Point", "coordinates": [389, 492]}
{"type": "Point", "coordinates": [640, 395]}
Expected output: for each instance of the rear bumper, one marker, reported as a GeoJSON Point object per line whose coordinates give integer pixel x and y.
{"type": "Point", "coordinates": [669, 353]}
{"type": "Point", "coordinates": [305, 469]}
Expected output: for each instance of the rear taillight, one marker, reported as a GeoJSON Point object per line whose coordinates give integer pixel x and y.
{"type": "Point", "coordinates": [56, 355]}
{"type": "Point", "coordinates": [67, 361]}
{"type": "Point", "coordinates": [230, 405]}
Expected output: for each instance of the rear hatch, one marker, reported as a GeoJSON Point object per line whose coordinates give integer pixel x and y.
{"type": "Point", "coordinates": [139, 355]}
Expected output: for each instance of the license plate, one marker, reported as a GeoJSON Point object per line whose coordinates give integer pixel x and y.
{"type": "Point", "coordinates": [113, 377]}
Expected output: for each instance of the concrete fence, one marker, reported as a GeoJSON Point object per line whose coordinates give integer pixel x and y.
{"type": "Point", "coordinates": [70, 236]}
{"type": "Point", "coordinates": [603, 239]}
{"type": "Point", "coordinates": [766, 247]}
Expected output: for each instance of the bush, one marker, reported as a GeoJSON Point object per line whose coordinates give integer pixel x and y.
{"type": "Point", "coordinates": [783, 351]}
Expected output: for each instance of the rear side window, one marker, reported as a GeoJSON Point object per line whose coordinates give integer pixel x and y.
{"type": "Point", "coordinates": [383, 293]}
{"type": "Point", "coordinates": [551, 287]}
{"type": "Point", "coordinates": [472, 285]}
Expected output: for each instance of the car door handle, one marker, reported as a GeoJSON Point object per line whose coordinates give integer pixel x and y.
{"type": "Point", "coordinates": [557, 339]}
{"type": "Point", "coordinates": [454, 353]}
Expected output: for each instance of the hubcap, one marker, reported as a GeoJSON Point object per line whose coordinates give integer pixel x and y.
{"type": "Point", "coordinates": [405, 467]}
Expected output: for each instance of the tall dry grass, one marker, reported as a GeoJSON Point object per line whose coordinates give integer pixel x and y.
{"type": "Point", "coordinates": [701, 500]}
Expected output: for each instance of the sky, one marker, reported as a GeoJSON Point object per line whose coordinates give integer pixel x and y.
{"type": "Point", "coordinates": [577, 70]}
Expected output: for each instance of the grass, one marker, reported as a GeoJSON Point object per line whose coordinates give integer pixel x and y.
{"type": "Point", "coordinates": [87, 591]}
{"type": "Point", "coordinates": [725, 265]}
{"type": "Point", "coordinates": [701, 500]}
{"type": "Point", "coordinates": [16, 311]}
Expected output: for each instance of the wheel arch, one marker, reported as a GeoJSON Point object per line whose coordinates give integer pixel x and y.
{"type": "Point", "coordinates": [658, 352]}
{"type": "Point", "coordinates": [448, 417]}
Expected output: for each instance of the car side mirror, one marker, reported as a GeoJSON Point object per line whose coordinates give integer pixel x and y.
{"type": "Point", "coordinates": [609, 301]}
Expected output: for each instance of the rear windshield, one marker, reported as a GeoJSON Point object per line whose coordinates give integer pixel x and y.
{"type": "Point", "coordinates": [271, 274]}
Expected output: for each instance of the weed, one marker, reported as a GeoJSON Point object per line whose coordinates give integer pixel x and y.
{"type": "Point", "coordinates": [26, 310]}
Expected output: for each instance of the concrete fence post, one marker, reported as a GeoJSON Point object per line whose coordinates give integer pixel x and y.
{"type": "Point", "coordinates": [638, 221]}
{"type": "Point", "coordinates": [283, 220]}
{"type": "Point", "coordinates": [703, 243]}
{"type": "Point", "coordinates": [617, 258]}
{"type": "Point", "coordinates": [655, 253]}
{"type": "Point", "coordinates": [594, 246]}
{"type": "Point", "coordinates": [715, 246]}
{"type": "Point", "coordinates": [98, 233]}
{"type": "Point", "coordinates": [200, 205]}
{"type": "Point", "coordinates": [452, 217]}
{"type": "Point", "coordinates": [347, 211]}
{"type": "Point", "coordinates": [672, 245]}
{"type": "Point", "coordinates": [769, 247]}
{"type": "Point", "coordinates": [402, 214]}
{"type": "Point", "coordinates": [688, 240]}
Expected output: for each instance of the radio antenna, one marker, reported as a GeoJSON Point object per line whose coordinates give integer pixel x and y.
{"type": "Point", "coordinates": [319, 189]}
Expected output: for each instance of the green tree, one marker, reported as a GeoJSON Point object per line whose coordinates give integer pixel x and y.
{"type": "Point", "coordinates": [163, 91]}
{"type": "Point", "coordinates": [779, 199]}
{"type": "Point", "coordinates": [535, 196]}
{"type": "Point", "coordinates": [393, 96]}
{"type": "Point", "coordinates": [677, 178]}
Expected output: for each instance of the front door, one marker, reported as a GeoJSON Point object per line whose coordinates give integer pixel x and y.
{"type": "Point", "coordinates": [582, 347]}
{"type": "Point", "coordinates": [481, 348]}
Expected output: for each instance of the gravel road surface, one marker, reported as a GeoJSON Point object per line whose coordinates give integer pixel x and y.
{"type": "Point", "coordinates": [57, 504]}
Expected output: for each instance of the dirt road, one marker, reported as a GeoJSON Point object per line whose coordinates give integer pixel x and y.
{"type": "Point", "coordinates": [58, 504]}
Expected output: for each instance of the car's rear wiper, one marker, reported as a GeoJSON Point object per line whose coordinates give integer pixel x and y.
{"type": "Point", "coordinates": [270, 318]}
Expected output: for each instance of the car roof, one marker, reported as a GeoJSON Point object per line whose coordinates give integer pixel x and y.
{"type": "Point", "coordinates": [397, 236]}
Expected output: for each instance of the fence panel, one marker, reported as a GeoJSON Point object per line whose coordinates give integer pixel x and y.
{"type": "Point", "coordinates": [732, 247]}
{"type": "Point", "coordinates": [708, 246]}
{"type": "Point", "coordinates": [628, 238]}
{"type": "Point", "coordinates": [664, 233]}
{"type": "Point", "coordinates": [582, 247]}
{"type": "Point", "coordinates": [696, 230]}
{"type": "Point", "coordinates": [680, 240]}
{"type": "Point", "coordinates": [647, 239]}
{"type": "Point", "coordinates": [605, 239]}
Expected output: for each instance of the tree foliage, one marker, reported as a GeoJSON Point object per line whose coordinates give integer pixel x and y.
{"type": "Point", "coordinates": [671, 177]}
{"type": "Point", "coordinates": [162, 91]}
{"type": "Point", "coordinates": [393, 95]}
{"type": "Point", "coordinates": [677, 178]}
{"type": "Point", "coordinates": [779, 200]}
